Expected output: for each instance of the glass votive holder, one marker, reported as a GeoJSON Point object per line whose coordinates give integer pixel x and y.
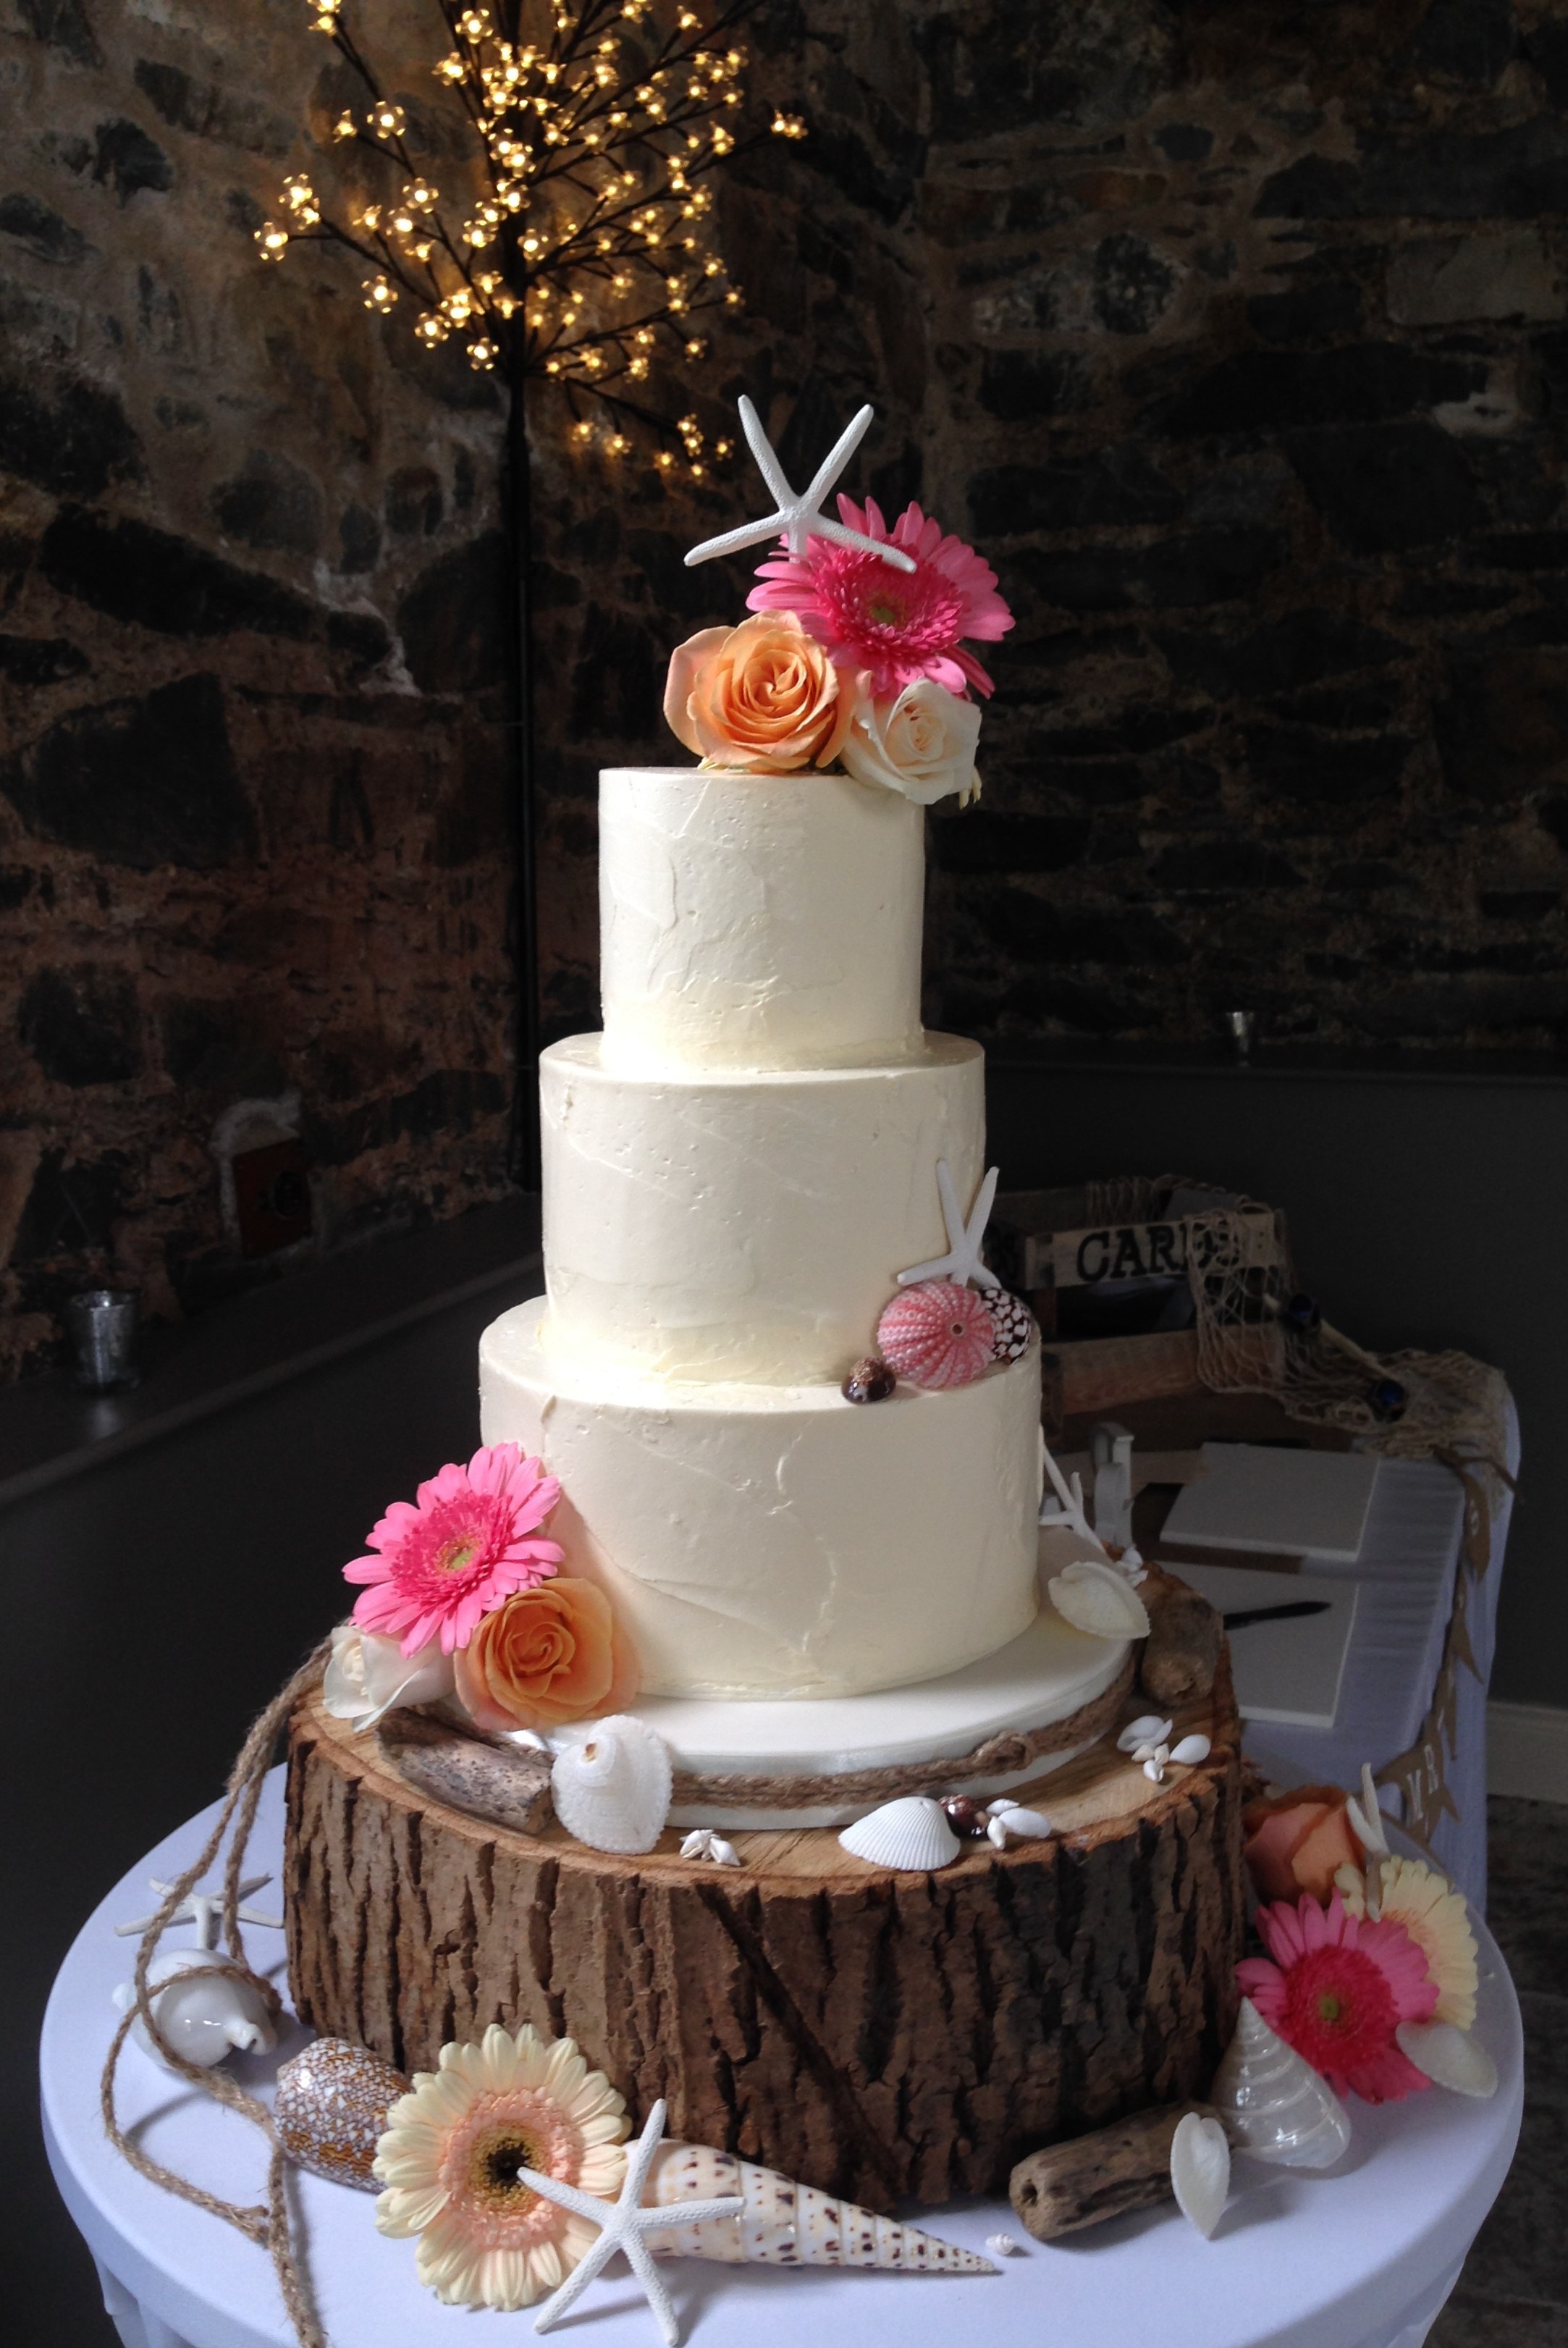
{"type": "Point", "coordinates": [102, 1327]}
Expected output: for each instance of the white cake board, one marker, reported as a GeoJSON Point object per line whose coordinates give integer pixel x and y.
{"type": "Point", "coordinates": [1259, 1496]}
{"type": "Point", "coordinates": [1049, 1672]}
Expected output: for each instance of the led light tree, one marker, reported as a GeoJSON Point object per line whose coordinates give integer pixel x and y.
{"type": "Point", "coordinates": [578, 249]}
{"type": "Point", "coordinates": [573, 248]}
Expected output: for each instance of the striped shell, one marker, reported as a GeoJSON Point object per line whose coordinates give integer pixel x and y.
{"type": "Point", "coordinates": [938, 1335]}
{"type": "Point", "coordinates": [784, 2224]}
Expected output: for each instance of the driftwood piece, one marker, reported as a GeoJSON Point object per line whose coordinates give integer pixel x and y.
{"type": "Point", "coordinates": [506, 1784]}
{"type": "Point", "coordinates": [880, 2036]}
{"type": "Point", "coordinates": [1181, 1652]}
{"type": "Point", "coordinates": [1124, 2167]}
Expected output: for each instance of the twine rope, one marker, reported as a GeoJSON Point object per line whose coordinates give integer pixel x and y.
{"type": "Point", "coordinates": [267, 2225]}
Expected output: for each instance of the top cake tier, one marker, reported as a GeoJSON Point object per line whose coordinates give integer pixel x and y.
{"type": "Point", "coordinates": [757, 922]}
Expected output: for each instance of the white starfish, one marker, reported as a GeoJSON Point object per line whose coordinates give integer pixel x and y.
{"type": "Point", "coordinates": [622, 2224]}
{"type": "Point", "coordinates": [798, 513]}
{"type": "Point", "coordinates": [962, 1262]}
{"type": "Point", "coordinates": [201, 1906]}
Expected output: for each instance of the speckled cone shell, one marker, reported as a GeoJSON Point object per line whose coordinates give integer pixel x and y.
{"type": "Point", "coordinates": [784, 2224]}
{"type": "Point", "coordinates": [332, 2105]}
{"type": "Point", "coordinates": [1274, 2105]}
{"type": "Point", "coordinates": [1013, 1327]}
{"type": "Point", "coordinates": [938, 1335]}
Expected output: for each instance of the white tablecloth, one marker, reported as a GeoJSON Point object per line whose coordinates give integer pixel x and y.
{"type": "Point", "coordinates": [1361, 2258]}
{"type": "Point", "coordinates": [1410, 1555]}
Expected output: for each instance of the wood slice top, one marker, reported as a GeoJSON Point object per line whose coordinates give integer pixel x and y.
{"type": "Point", "coordinates": [1089, 1801]}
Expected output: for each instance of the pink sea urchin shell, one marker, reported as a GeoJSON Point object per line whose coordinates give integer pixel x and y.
{"type": "Point", "coordinates": [936, 1334]}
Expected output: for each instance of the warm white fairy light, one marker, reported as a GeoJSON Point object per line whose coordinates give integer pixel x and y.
{"type": "Point", "coordinates": [582, 251]}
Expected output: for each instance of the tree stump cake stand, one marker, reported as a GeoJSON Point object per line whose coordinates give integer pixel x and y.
{"type": "Point", "coordinates": [885, 2036]}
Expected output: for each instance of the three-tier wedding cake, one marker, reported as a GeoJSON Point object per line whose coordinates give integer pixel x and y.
{"type": "Point", "coordinates": [754, 1544]}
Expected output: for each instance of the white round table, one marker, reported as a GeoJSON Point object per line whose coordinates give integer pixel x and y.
{"type": "Point", "coordinates": [1362, 2257]}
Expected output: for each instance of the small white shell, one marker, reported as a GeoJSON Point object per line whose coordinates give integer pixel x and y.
{"type": "Point", "coordinates": [1007, 1825]}
{"type": "Point", "coordinates": [202, 2020]}
{"type": "Point", "coordinates": [612, 1789]}
{"type": "Point", "coordinates": [1192, 1749]}
{"type": "Point", "coordinates": [722, 1853]}
{"type": "Point", "coordinates": [1095, 1597]}
{"type": "Point", "coordinates": [1274, 2105]}
{"type": "Point", "coordinates": [911, 1833]}
{"type": "Point", "coordinates": [1147, 1730]}
{"type": "Point", "coordinates": [1200, 2172]}
{"type": "Point", "coordinates": [1004, 2246]}
{"type": "Point", "coordinates": [1449, 2056]}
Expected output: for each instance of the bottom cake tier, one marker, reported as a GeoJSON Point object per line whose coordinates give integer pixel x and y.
{"type": "Point", "coordinates": [883, 2035]}
{"type": "Point", "coordinates": [776, 1541]}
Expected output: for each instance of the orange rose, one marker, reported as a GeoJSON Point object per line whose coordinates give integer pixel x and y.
{"type": "Point", "coordinates": [545, 1656]}
{"type": "Point", "coordinates": [1295, 1840]}
{"type": "Point", "coordinates": [764, 695]}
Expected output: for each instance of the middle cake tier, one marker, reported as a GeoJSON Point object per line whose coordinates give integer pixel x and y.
{"type": "Point", "coordinates": [744, 1227]}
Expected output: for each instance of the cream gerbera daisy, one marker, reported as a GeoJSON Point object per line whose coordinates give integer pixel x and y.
{"type": "Point", "coordinates": [1433, 1913]}
{"type": "Point", "coordinates": [451, 2153]}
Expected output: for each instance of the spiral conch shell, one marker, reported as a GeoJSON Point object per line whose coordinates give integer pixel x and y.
{"type": "Point", "coordinates": [1273, 2104]}
{"type": "Point", "coordinates": [784, 2224]}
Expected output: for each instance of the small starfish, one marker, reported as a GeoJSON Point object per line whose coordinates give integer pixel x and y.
{"type": "Point", "coordinates": [622, 2225]}
{"type": "Point", "coordinates": [962, 1262]}
{"type": "Point", "coordinates": [798, 514]}
{"type": "Point", "coordinates": [200, 1908]}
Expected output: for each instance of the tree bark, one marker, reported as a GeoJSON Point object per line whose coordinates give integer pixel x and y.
{"type": "Point", "coordinates": [883, 2036]}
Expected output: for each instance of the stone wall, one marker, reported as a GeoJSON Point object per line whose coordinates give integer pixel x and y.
{"type": "Point", "coordinates": [1234, 330]}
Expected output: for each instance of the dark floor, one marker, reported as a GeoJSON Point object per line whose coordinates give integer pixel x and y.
{"type": "Point", "coordinates": [1513, 2292]}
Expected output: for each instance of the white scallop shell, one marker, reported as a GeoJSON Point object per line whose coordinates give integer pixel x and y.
{"type": "Point", "coordinates": [783, 2223]}
{"type": "Point", "coordinates": [1095, 1597]}
{"type": "Point", "coordinates": [202, 2020]}
{"type": "Point", "coordinates": [911, 1833]}
{"type": "Point", "coordinates": [612, 1789]}
{"type": "Point", "coordinates": [1274, 2105]}
{"type": "Point", "coordinates": [1200, 2172]}
{"type": "Point", "coordinates": [1449, 2056]}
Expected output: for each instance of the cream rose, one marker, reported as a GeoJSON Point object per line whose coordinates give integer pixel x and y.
{"type": "Point", "coordinates": [764, 695]}
{"type": "Point", "coordinates": [921, 743]}
{"type": "Point", "coordinates": [368, 1675]}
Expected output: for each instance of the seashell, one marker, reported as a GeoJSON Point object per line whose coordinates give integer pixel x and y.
{"type": "Point", "coordinates": [936, 1334]}
{"type": "Point", "coordinates": [1274, 2105]}
{"type": "Point", "coordinates": [1449, 2056]}
{"type": "Point", "coordinates": [910, 1833]}
{"type": "Point", "coordinates": [331, 2110]}
{"type": "Point", "coordinates": [1191, 1750]}
{"type": "Point", "coordinates": [1095, 1597]}
{"type": "Point", "coordinates": [1004, 2246]}
{"type": "Point", "coordinates": [612, 1789]}
{"type": "Point", "coordinates": [1200, 2172]}
{"type": "Point", "coordinates": [963, 1815]}
{"type": "Point", "coordinates": [869, 1380]}
{"type": "Point", "coordinates": [1013, 1324]}
{"type": "Point", "coordinates": [1012, 1825]}
{"type": "Point", "coordinates": [784, 2224]}
{"type": "Point", "coordinates": [1147, 1730]}
{"type": "Point", "coordinates": [203, 2020]}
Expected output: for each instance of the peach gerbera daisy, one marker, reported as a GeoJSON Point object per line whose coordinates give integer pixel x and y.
{"type": "Point", "coordinates": [1433, 1913]}
{"type": "Point", "coordinates": [451, 2153]}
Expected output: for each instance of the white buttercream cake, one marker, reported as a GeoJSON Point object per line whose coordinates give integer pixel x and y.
{"type": "Point", "coordinates": [735, 1174]}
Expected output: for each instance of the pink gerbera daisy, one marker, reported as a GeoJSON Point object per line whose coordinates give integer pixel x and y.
{"type": "Point", "coordinates": [897, 625]}
{"type": "Point", "coordinates": [1338, 1990]}
{"type": "Point", "coordinates": [469, 1540]}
